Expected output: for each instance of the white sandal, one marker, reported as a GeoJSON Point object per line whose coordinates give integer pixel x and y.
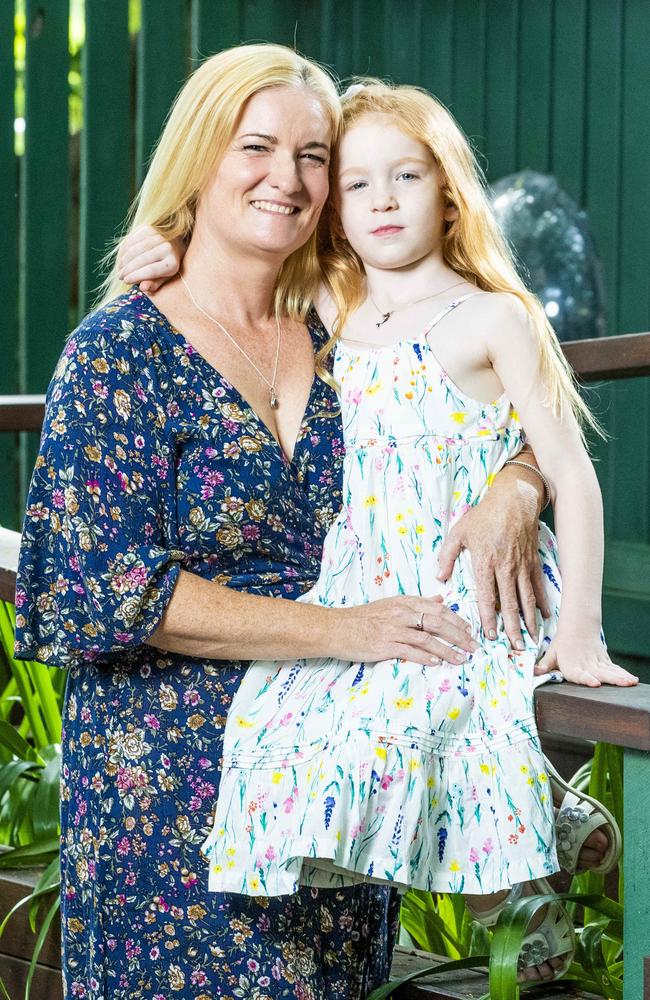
{"type": "Point", "coordinates": [553, 938]}
{"type": "Point", "coordinates": [578, 816]}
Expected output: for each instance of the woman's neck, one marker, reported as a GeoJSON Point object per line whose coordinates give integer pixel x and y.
{"type": "Point", "coordinates": [226, 285]}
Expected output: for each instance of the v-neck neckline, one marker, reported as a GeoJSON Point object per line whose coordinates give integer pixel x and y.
{"type": "Point", "coordinates": [193, 353]}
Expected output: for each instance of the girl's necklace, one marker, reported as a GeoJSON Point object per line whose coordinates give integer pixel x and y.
{"type": "Point", "coordinates": [385, 316]}
{"type": "Point", "coordinates": [274, 402]}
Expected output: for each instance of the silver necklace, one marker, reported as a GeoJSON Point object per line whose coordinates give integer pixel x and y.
{"type": "Point", "coordinates": [385, 316]}
{"type": "Point", "coordinates": [274, 402]}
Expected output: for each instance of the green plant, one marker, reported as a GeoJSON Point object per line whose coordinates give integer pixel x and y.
{"type": "Point", "coordinates": [439, 922]}
{"type": "Point", "coordinates": [30, 762]}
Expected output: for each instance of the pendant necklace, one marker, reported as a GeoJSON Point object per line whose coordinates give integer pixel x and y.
{"type": "Point", "coordinates": [385, 316]}
{"type": "Point", "coordinates": [274, 402]}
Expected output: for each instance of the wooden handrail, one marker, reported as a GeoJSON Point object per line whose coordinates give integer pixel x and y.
{"type": "Point", "coordinates": [21, 413]}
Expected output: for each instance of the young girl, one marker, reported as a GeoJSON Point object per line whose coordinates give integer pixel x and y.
{"type": "Point", "coordinates": [430, 777]}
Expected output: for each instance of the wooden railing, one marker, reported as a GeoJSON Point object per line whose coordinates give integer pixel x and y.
{"type": "Point", "coordinates": [614, 715]}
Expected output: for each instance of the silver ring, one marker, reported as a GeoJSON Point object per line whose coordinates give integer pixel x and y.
{"type": "Point", "coordinates": [420, 623]}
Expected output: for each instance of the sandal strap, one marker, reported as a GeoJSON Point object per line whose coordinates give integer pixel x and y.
{"type": "Point", "coordinates": [579, 815]}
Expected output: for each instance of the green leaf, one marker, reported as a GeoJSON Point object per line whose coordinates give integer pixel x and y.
{"type": "Point", "coordinates": [20, 747]}
{"type": "Point", "coordinates": [28, 855]}
{"type": "Point", "coordinates": [45, 926]}
{"type": "Point", "coordinates": [382, 992]}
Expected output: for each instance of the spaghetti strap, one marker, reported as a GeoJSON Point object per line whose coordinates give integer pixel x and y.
{"type": "Point", "coordinates": [447, 309]}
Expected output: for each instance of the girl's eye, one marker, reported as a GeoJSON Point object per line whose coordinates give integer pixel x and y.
{"type": "Point", "coordinates": [356, 186]}
{"type": "Point", "coordinates": [407, 176]}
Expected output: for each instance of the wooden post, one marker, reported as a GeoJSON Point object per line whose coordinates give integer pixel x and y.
{"type": "Point", "coordinates": [636, 919]}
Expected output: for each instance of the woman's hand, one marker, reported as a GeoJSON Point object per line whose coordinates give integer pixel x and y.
{"type": "Point", "coordinates": [582, 659]}
{"type": "Point", "coordinates": [388, 629]}
{"type": "Point", "coordinates": [148, 259]}
{"type": "Point", "coordinates": [501, 536]}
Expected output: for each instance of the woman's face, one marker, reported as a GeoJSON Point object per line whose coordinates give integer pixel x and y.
{"type": "Point", "coordinates": [388, 194]}
{"type": "Point", "coordinates": [270, 187]}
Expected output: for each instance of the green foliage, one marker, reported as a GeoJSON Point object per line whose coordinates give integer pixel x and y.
{"type": "Point", "coordinates": [440, 923]}
{"type": "Point", "coordinates": [31, 696]}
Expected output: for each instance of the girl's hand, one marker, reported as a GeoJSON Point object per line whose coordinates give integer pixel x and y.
{"type": "Point", "coordinates": [388, 629]}
{"type": "Point", "coordinates": [582, 659]}
{"type": "Point", "coordinates": [147, 259]}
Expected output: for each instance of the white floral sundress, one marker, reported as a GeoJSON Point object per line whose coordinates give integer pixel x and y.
{"type": "Point", "coordinates": [431, 777]}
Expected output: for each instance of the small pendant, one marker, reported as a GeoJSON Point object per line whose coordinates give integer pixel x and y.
{"type": "Point", "coordinates": [274, 400]}
{"type": "Point", "coordinates": [384, 319]}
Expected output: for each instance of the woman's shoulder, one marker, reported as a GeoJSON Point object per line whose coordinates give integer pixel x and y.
{"type": "Point", "coordinates": [122, 336]}
{"type": "Point", "coordinates": [128, 322]}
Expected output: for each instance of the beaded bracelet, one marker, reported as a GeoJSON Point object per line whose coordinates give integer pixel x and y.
{"type": "Point", "coordinates": [531, 468]}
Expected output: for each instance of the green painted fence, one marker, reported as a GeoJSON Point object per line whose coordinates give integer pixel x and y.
{"type": "Point", "coordinates": [560, 86]}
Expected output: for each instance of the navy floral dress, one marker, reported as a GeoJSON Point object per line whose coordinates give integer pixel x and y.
{"type": "Point", "coordinates": [151, 462]}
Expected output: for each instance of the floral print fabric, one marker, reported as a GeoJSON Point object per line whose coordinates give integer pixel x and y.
{"type": "Point", "coordinates": [151, 462]}
{"type": "Point", "coordinates": [430, 777]}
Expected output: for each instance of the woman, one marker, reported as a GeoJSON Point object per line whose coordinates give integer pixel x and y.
{"type": "Point", "coordinates": [171, 462]}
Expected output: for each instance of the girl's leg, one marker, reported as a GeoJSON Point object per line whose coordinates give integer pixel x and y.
{"type": "Point", "coordinates": [487, 908]}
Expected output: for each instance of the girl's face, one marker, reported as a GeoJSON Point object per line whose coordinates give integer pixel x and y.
{"type": "Point", "coordinates": [388, 195]}
{"type": "Point", "coordinates": [270, 187]}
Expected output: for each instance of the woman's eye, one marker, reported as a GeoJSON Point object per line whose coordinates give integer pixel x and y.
{"type": "Point", "coordinates": [315, 158]}
{"type": "Point", "coordinates": [256, 148]}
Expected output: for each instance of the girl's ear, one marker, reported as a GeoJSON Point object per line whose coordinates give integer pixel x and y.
{"type": "Point", "coordinates": [451, 212]}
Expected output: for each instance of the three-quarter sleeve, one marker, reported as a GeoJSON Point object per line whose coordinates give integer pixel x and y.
{"type": "Point", "coordinates": [98, 559]}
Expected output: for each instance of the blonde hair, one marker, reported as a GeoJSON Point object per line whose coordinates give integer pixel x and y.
{"type": "Point", "coordinates": [472, 244]}
{"type": "Point", "coordinates": [194, 139]}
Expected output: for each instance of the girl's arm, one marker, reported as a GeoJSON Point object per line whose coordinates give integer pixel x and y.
{"type": "Point", "coordinates": [577, 649]}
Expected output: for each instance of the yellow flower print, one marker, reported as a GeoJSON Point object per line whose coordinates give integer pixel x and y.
{"type": "Point", "coordinates": [254, 883]}
{"type": "Point", "coordinates": [485, 768]}
{"type": "Point", "coordinates": [430, 782]}
{"type": "Point", "coordinates": [403, 530]}
{"type": "Point", "coordinates": [413, 765]}
{"type": "Point", "coordinates": [399, 517]}
{"type": "Point", "coordinates": [453, 713]}
{"type": "Point", "coordinates": [419, 529]}
{"type": "Point", "coordinates": [374, 388]}
{"type": "Point", "coordinates": [277, 777]}
{"type": "Point", "coordinates": [243, 723]}
{"type": "Point", "coordinates": [513, 414]}
{"type": "Point", "coordinates": [523, 769]}
{"type": "Point", "coordinates": [231, 852]}
{"type": "Point", "coordinates": [542, 777]}
{"type": "Point", "coordinates": [490, 478]}
{"type": "Point", "coordinates": [380, 752]}
{"type": "Point", "coordinates": [370, 501]}
{"type": "Point", "coordinates": [458, 416]}
{"type": "Point", "coordinates": [401, 703]}
{"type": "Point", "coordinates": [454, 867]}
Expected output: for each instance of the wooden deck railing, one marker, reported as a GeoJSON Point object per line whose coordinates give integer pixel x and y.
{"type": "Point", "coordinates": [614, 715]}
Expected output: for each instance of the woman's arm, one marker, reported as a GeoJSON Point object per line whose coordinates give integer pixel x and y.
{"type": "Point", "coordinates": [577, 649]}
{"type": "Point", "coordinates": [210, 620]}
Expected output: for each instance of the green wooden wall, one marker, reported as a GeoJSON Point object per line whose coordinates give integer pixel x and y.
{"type": "Point", "coordinates": [560, 86]}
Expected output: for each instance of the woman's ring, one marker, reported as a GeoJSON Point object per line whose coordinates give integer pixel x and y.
{"type": "Point", "coordinates": [420, 624]}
